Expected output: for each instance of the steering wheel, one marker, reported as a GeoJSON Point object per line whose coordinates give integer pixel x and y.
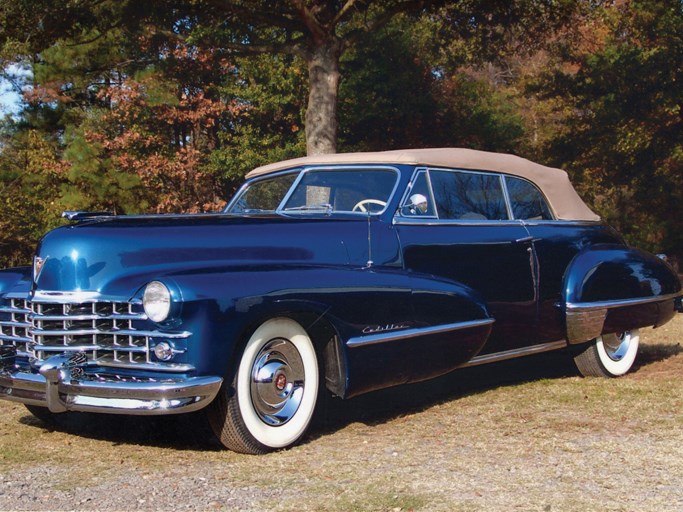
{"type": "Point", "coordinates": [361, 205]}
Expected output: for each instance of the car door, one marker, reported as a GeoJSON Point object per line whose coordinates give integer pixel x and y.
{"type": "Point", "coordinates": [457, 225]}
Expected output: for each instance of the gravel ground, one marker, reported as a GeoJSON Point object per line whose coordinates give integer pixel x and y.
{"type": "Point", "coordinates": [525, 435]}
{"type": "Point", "coordinates": [175, 489]}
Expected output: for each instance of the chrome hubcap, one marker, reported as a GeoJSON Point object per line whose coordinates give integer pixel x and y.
{"type": "Point", "coordinates": [277, 382]}
{"type": "Point", "coordinates": [616, 345]}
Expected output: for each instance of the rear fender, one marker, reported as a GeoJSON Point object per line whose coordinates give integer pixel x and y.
{"type": "Point", "coordinates": [611, 288]}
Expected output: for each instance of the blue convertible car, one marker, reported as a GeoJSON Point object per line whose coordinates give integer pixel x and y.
{"type": "Point", "coordinates": [339, 273]}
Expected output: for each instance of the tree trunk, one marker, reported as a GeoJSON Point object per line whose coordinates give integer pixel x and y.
{"type": "Point", "coordinates": [321, 113]}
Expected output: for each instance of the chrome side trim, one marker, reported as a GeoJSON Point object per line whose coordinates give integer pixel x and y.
{"type": "Point", "coordinates": [512, 354]}
{"type": "Point", "coordinates": [585, 320]}
{"type": "Point", "coordinates": [76, 216]}
{"type": "Point", "coordinates": [611, 304]}
{"type": "Point", "coordinates": [562, 222]}
{"type": "Point", "coordinates": [374, 339]}
{"type": "Point", "coordinates": [584, 325]}
{"type": "Point", "coordinates": [431, 221]}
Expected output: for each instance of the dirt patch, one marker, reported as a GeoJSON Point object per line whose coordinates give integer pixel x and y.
{"type": "Point", "coordinates": [521, 435]}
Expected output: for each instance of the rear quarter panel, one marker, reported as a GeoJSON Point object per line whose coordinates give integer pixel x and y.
{"type": "Point", "coordinates": [611, 288]}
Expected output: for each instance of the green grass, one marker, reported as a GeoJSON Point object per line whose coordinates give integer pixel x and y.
{"type": "Point", "coordinates": [522, 435]}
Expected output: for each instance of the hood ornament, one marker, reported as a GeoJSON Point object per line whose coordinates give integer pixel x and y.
{"type": "Point", "coordinates": [38, 264]}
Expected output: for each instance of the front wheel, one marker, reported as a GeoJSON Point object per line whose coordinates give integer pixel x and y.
{"type": "Point", "coordinates": [273, 394]}
{"type": "Point", "coordinates": [609, 355]}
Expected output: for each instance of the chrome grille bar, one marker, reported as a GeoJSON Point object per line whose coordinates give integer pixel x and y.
{"type": "Point", "coordinates": [16, 324]}
{"type": "Point", "coordinates": [112, 332]}
{"type": "Point", "coordinates": [80, 318]}
{"type": "Point", "coordinates": [85, 348]}
{"type": "Point", "coordinates": [15, 331]}
{"type": "Point", "coordinates": [104, 331]}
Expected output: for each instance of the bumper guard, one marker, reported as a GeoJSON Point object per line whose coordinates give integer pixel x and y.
{"type": "Point", "coordinates": [61, 385]}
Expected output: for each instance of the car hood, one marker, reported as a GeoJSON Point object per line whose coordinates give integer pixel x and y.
{"type": "Point", "coordinates": [116, 256]}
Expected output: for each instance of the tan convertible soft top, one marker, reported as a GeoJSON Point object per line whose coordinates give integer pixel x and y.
{"type": "Point", "coordinates": [555, 184]}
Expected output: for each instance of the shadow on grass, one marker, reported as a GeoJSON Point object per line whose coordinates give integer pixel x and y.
{"type": "Point", "coordinates": [385, 405]}
{"type": "Point", "coordinates": [191, 431]}
{"type": "Point", "coordinates": [180, 432]}
{"type": "Point", "coordinates": [648, 354]}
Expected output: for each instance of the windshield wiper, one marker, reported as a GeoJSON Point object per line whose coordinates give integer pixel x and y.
{"type": "Point", "coordinates": [311, 207]}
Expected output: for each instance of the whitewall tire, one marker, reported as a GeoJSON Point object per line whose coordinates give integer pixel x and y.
{"type": "Point", "coordinates": [609, 355]}
{"type": "Point", "coordinates": [274, 392]}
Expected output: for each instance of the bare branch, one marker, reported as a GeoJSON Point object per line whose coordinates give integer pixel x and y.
{"type": "Point", "coordinates": [246, 13]}
{"type": "Point", "coordinates": [343, 12]}
{"type": "Point", "coordinates": [292, 47]}
{"type": "Point", "coordinates": [315, 29]}
{"type": "Point", "coordinates": [386, 16]}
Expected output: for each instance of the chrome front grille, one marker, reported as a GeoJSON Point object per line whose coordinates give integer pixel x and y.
{"type": "Point", "coordinates": [15, 325]}
{"type": "Point", "coordinates": [105, 331]}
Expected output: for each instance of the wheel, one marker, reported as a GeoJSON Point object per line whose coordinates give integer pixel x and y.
{"type": "Point", "coordinates": [361, 206]}
{"type": "Point", "coordinates": [42, 413]}
{"type": "Point", "coordinates": [610, 355]}
{"type": "Point", "coordinates": [274, 391]}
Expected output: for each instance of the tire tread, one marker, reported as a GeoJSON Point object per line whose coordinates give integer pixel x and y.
{"type": "Point", "coordinates": [226, 422]}
{"type": "Point", "coordinates": [587, 361]}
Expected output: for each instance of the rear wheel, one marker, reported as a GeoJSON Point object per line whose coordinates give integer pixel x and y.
{"type": "Point", "coordinates": [273, 394]}
{"type": "Point", "coordinates": [609, 355]}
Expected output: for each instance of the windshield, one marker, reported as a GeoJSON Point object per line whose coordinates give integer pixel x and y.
{"type": "Point", "coordinates": [327, 190]}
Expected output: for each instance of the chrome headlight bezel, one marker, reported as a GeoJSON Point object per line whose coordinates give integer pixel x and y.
{"type": "Point", "coordinates": [157, 301]}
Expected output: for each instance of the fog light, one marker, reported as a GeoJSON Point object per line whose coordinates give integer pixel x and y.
{"type": "Point", "coordinates": [164, 351]}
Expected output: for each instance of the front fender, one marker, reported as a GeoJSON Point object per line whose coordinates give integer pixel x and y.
{"type": "Point", "coordinates": [612, 288]}
{"type": "Point", "coordinates": [16, 281]}
{"type": "Point", "coordinates": [388, 326]}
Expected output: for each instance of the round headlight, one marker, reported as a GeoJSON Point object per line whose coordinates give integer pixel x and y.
{"type": "Point", "coordinates": [157, 301]}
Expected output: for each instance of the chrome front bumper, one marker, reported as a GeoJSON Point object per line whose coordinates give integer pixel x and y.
{"type": "Point", "coordinates": [61, 385]}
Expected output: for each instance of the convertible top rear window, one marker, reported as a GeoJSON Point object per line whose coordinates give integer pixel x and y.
{"type": "Point", "coordinates": [526, 200]}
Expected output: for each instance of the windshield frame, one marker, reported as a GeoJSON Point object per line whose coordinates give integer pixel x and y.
{"type": "Point", "coordinates": [302, 172]}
